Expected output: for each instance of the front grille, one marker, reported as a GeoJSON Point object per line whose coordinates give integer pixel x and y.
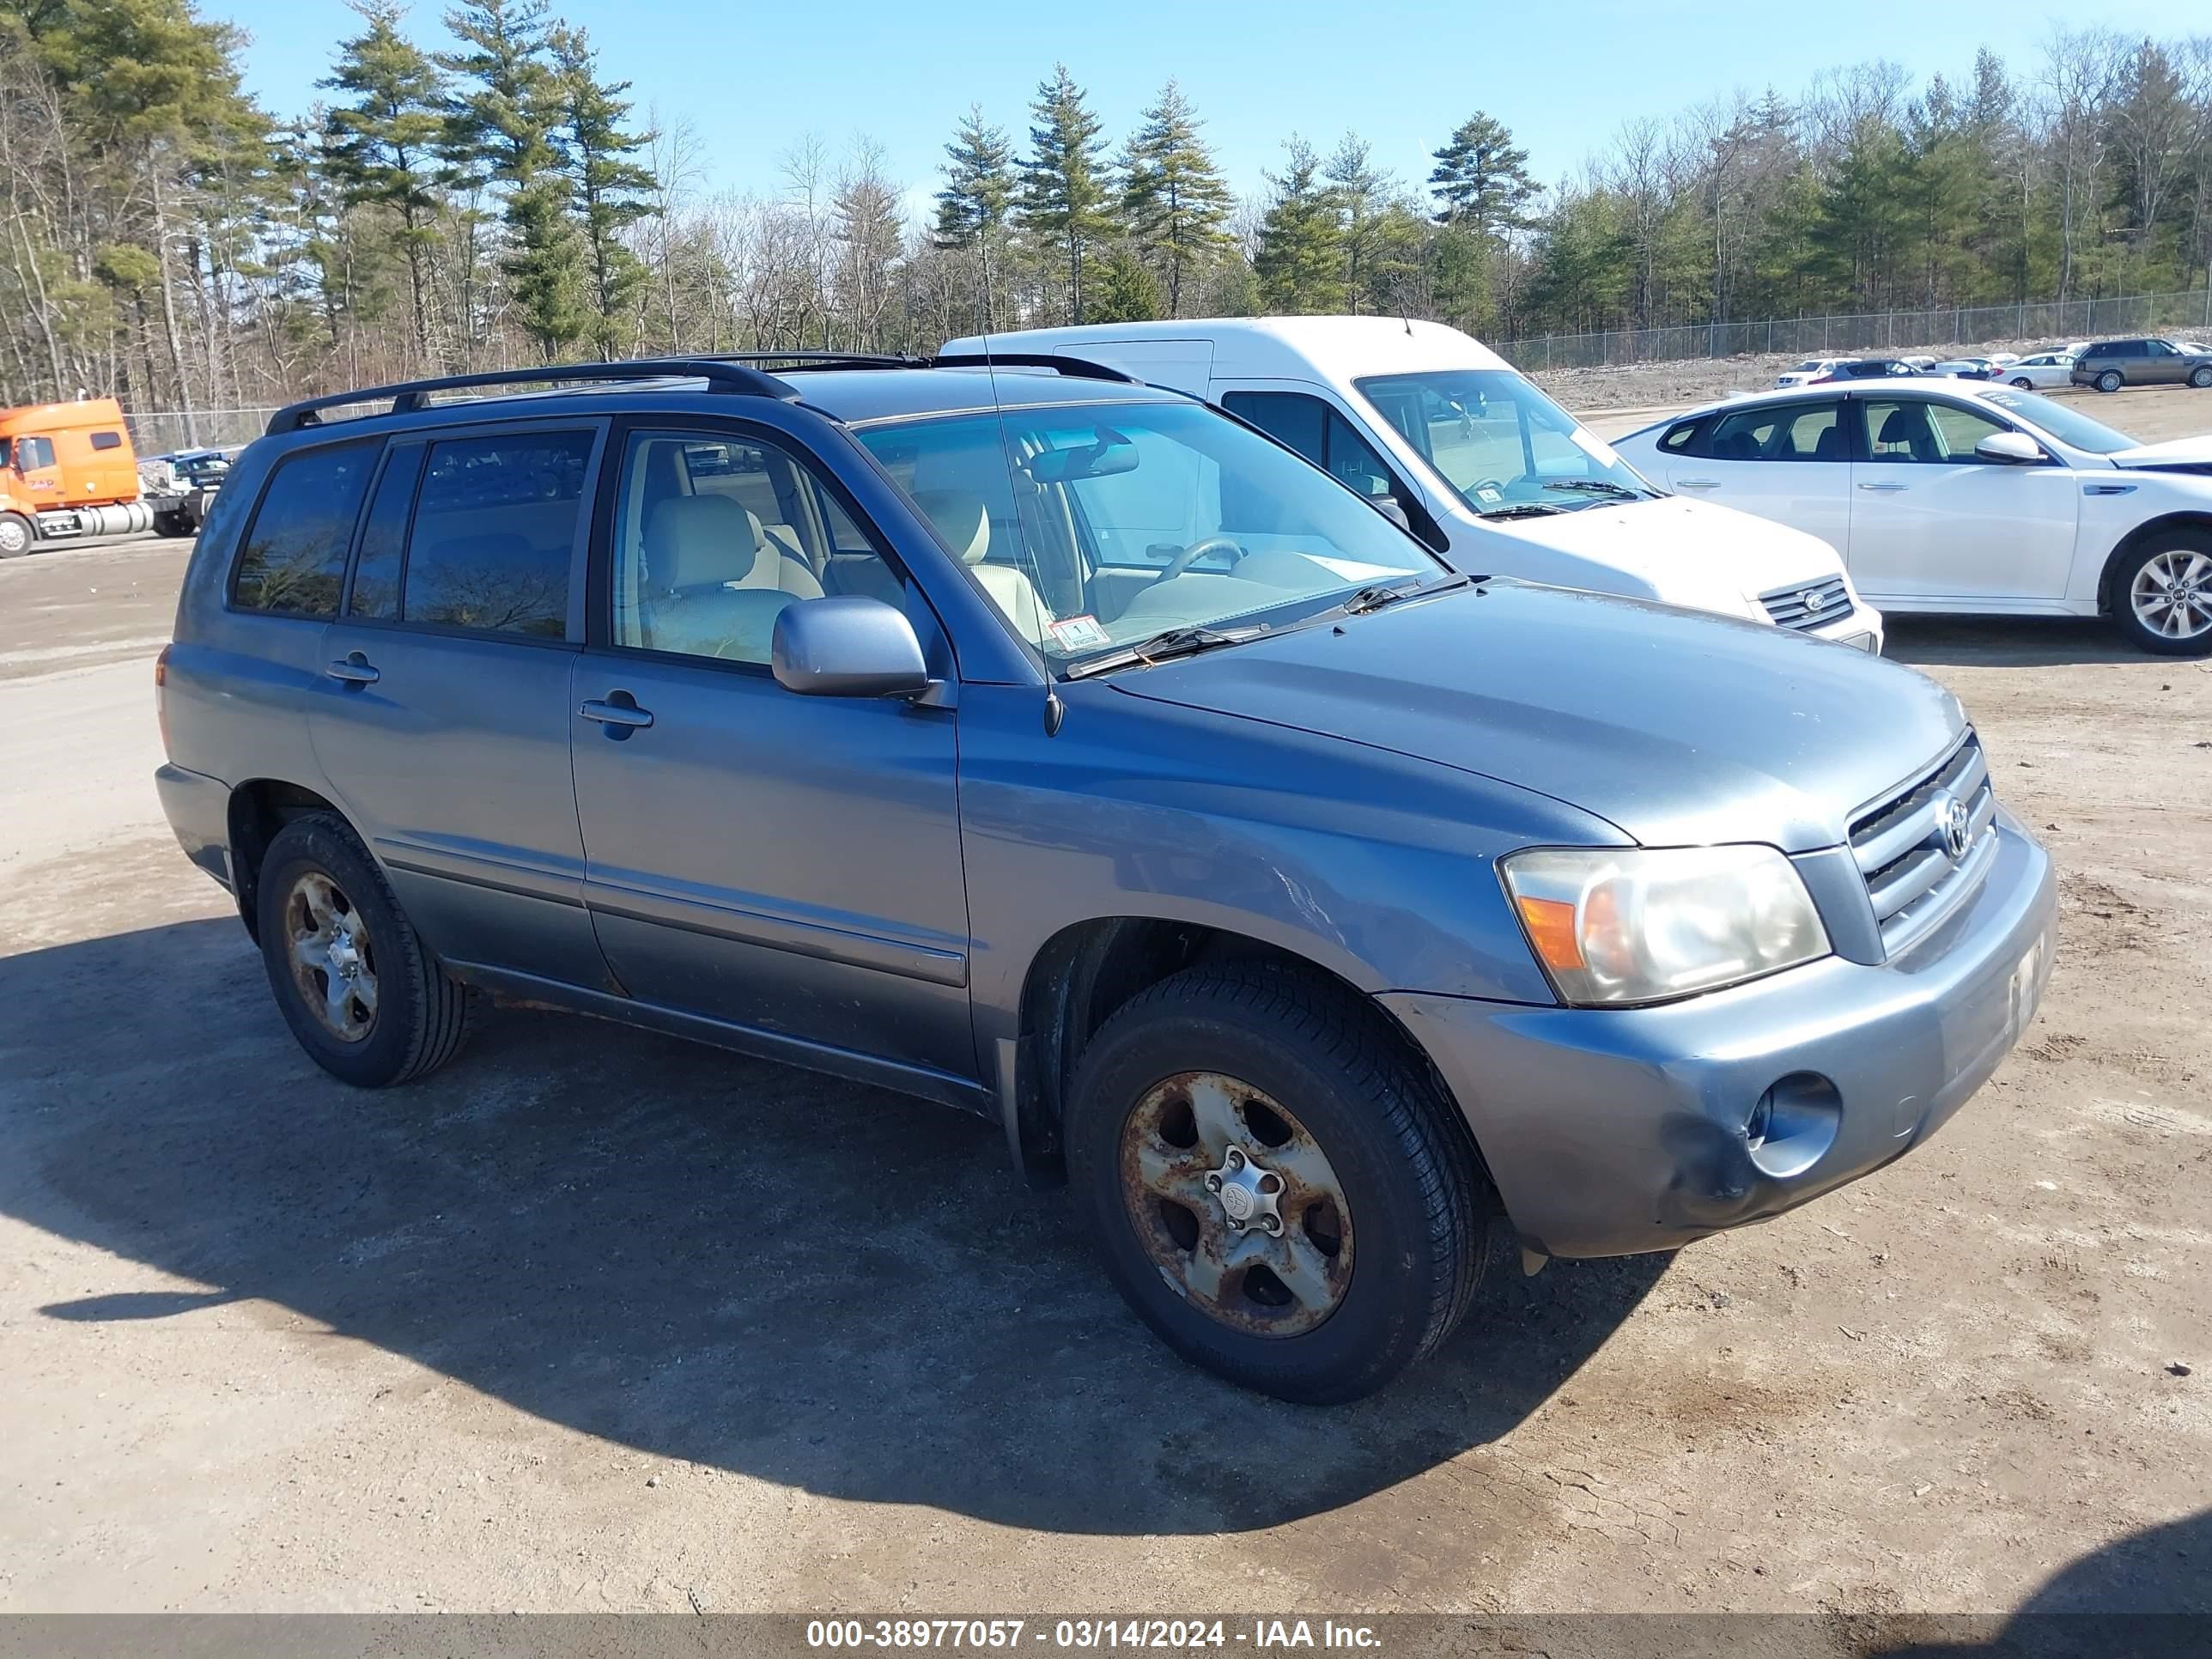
{"type": "Point", "coordinates": [1914, 874]}
{"type": "Point", "coordinates": [1811, 604]}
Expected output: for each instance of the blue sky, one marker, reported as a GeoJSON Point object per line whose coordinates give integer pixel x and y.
{"type": "Point", "coordinates": [753, 75]}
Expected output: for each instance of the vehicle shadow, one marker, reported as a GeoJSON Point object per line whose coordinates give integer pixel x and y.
{"type": "Point", "coordinates": [693, 1254]}
{"type": "Point", "coordinates": [2147, 1595]}
{"type": "Point", "coordinates": [2006, 642]}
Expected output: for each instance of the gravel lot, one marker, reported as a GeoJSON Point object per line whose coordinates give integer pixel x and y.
{"type": "Point", "coordinates": [595, 1321]}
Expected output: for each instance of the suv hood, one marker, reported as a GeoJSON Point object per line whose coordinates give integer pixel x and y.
{"type": "Point", "coordinates": [1680, 729]}
{"type": "Point", "coordinates": [1693, 553]}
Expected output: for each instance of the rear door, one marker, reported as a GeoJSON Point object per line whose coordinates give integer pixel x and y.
{"type": "Point", "coordinates": [786, 864]}
{"type": "Point", "coordinates": [1934, 525]}
{"type": "Point", "coordinates": [1788, 461]}
{"type": "Point", "coordinates": [443, 721]}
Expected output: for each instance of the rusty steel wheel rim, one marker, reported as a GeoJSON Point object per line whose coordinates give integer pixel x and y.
{"type": "Point", "coordinates": [1236, 1204]}
{"type": "Point", "coordinates": [333, 961]}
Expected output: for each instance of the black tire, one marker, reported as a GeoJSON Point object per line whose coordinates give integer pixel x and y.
{"type": "Point", "coordinates": [172, 525]}
{"type": "Point", "coordinates": [18, 535]}
{"type": "Point", "coordinates": [421, 1016]}
{"type": "Point", "coordinates": [2202, 377]}
{"type": "Point", "coordinates": [2143, 634]}
{"type": "Point", "coordinates": [2109, 380]}
{"type": "Point", "coordinates": [2023, 383]}
{"type": "Point", "coordinates": [1418, 1206]}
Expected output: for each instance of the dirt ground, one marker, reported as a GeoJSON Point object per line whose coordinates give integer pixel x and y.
{"type": "Point", "coordinates": [596, 1320]}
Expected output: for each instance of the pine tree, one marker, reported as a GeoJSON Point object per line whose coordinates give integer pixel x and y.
{"type": "Point", "coordinates": [1481, 178]}
{"type": "Point", "coordinates": [612, 191]}
{"type": "Point", "coordinates": [1127, 291]}
{"type": "Point", "coordinates": [508, 117]}
{"type": "Point", "coordinates": [979, 183]}
{"type": "Point", "coordinates": [1063, 200]}
{"type": "Point", "coordinates": [1300, 262]}
{"type": "Point", "coordinates": [382, 148]}
{"type": "Point", "coordinates": [1173, 197]}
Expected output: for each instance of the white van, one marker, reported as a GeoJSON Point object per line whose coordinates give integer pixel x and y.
{"type": "Point", "coordinates": [1489, 472]}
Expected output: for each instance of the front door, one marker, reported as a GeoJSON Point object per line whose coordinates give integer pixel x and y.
{"type": "Point", "coordinates": [789, 864]}
{"type": "Point", "coordinates": [444, 713]}
{"type": "Point", "coordinates": [1933, 524]}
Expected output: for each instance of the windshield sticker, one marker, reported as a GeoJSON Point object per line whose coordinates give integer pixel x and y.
{"type": "Point", "coordinates": [1489, 496]}
{"type": "Point", "coordinates": [1080, 632]}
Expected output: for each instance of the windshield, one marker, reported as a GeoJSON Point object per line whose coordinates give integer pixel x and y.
{"type": "Point", "coordinates": [1093, 526]}
{"type": "Point", "coordinates": [1502, 445]}
{"type": "Point", "coordinates": [2069, 426]}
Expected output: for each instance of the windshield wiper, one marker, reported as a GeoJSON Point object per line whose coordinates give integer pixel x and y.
{"type": "Point", "coordinates": [1523, 510]}
{"type": "Point", "coordinates": [1164, 647]}
{"type": "Point", "coordinates": [1378, 594]}
{"type": "Point", "coordinates": [1595, 487]}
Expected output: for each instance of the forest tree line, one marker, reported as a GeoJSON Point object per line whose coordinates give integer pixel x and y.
{"type": "Point", "coordinates": [497, 199]}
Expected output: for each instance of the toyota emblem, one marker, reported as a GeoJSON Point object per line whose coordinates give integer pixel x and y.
{"type": "Point", "coordinates": [1813, 599]}
{"type": "Point", "coordinates": [1955, 825]}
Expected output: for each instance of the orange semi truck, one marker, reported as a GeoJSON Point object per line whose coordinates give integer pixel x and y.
{"type": "Point", "coordinates": [67, 469]}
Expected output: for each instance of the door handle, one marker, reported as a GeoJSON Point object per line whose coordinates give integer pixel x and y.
{"type": "Point", "coordinates": [1885, 487]}
{"type": "Point", "coordinates": [621, 710]}
{"type": "Point", "coordinates": [354, 670]}
{"type": "Point", "coordinates": [1697, 483]}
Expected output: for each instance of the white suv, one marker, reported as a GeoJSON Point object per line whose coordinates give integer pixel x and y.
{"type": "Point", "coordinates": [1487, 470]}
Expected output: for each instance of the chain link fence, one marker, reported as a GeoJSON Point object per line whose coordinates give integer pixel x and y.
{"type": "Point", "coordinates": [163, 432]}
{"type": "Point", "coordinates": [1870, 333]}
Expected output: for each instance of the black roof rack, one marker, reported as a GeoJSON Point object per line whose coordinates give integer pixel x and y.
{"type": "Point", "coordinates": [409, 396]}
{"type": "Point", "coordinates": [814, 359]}
{"type": "Point", "coordinates": [1075, 368]}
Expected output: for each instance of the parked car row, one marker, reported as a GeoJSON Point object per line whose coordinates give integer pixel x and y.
{"type": "Point", "coordinates": [1166, 775]}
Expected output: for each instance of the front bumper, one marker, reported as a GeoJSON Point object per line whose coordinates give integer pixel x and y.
{"type": "Point", "coordinates": [1614, 1131]}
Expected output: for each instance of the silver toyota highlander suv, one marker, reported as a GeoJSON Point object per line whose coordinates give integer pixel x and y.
{"type": "Point", "coordinates": [1064, 750]}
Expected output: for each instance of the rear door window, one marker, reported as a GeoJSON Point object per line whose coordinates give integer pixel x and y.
{"type": "Point", "coordinates": [1780, 432]}
{"type": "Point", "coordinates": [493, 533]}
{"type": "Point", "coordinates": [293, 559]}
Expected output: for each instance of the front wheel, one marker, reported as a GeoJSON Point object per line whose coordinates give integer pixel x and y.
{"type": "Point", "coordinates": [2162, 595]}
{"type": "Point", "coordinates": [361, 991]}
{"type": "Point", "coordinates": [16, 535]}
{"type": "Point", "coordinates": [2201, 378]}
{"type": "Point", "coordinates": [1277, 1190]}
{"type": "Point", "coordinates": [2108, 380]}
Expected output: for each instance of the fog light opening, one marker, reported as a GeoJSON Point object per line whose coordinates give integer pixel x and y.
{"type": "Point", "coordinates": [1793, 1125]}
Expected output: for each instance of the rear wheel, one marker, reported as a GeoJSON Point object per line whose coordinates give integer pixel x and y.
{"type": "Point", "coordinates": [2201, 378]}
{"type": "Point", "coordinates": [2108, 380]}
{"type": "Point", "coordinates": [361, 991]}
{"type": "Point", "coordinates": [2162, 594]}
{"type": "Point", "coordinates": [1277, 1191]}
{"type": "Point", "coordinates": [172, 525]}
{"type": "Point", "coordinates": [16, 535]}
{"type": "Point", "coordinates": [2023, 383]}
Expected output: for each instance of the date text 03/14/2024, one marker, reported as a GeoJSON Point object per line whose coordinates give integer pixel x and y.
{"type": "Point", "coordinates": [1261, 1635]}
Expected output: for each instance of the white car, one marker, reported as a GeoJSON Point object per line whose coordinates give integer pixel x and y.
{"type": "Point", "coordinates": [1955, 495]}
{"type": "Point", "coordinates": [1485, 468]}
{"type": "Point", "coordinates": [2045, 368]}
{"type": "Point", "coordinates": [1806, 372]}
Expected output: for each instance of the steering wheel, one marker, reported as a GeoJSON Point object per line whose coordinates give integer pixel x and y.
{"type": "Point", "coordinates": [1197, 550]}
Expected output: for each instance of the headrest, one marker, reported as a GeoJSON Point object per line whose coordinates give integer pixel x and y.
{"type": "Point", "coordinates": [1903, 424]}
{"type": "Point", "coordinates": [699, 541]}
{"type": "Point", "coordinates": [960, 518]}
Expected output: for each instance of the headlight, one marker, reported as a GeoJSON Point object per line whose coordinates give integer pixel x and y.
{"type": "Point", "coordinates": [1615, 926]}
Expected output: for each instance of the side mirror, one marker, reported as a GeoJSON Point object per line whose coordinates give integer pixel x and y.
{"type": "Point", "coordinates": [1392, 509]}
{"type": "Point", "coordinates": [2009, 448]}
{"type": "Point", "coordinates": [848, 645]}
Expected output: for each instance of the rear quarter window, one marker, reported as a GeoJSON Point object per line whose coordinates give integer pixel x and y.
{"type": "Point", "coordinates": [292, 561]}
{"type": "Point", "coordinates": [1678, 438]}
